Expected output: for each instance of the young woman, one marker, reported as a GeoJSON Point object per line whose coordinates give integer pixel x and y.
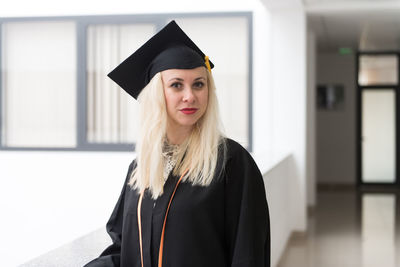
{"type": "Point", "coordinates": [192, 197]}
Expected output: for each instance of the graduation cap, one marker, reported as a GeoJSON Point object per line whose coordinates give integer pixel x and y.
{"type": "Point", "coordinates": [170, 48]}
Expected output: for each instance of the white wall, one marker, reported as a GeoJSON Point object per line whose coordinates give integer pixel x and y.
{"type": "Point", "coordinates": [288, 75]}
{"type": "Point", "coordinates": [50, 198]}
{"type": "Point", "coordinates": [282, 206]}
{"type": "Point", "coordinates": [336, 130]}
{"type": "Point", "coordinates": [262, 85]}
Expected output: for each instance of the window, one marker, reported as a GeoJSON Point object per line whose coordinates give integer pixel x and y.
{"type": "Point", "coordinates": [54, 89]}
{"type": "Point", "coordinates": [378, 69]}
{"type": "Point", "coordinates": [39, 84]}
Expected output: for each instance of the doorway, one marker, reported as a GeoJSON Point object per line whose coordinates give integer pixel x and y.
{"type": "Point", "coordinates": [377, 78]}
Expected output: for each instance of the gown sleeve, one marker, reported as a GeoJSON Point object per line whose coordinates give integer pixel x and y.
{"type": "Point", "coordinates": [246, 212]}
{"type": "Point", "coordinates": [110, 257]}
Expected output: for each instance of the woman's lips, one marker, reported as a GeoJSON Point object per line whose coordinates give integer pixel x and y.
{"type": "Point", "coordinates": [188, 110]}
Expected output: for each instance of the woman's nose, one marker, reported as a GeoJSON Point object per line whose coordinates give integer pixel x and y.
{"type": "Point", "coordinates": [188, 95]}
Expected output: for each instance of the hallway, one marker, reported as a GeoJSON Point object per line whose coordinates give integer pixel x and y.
{"type": "Point", "coordinates": [348, 229]}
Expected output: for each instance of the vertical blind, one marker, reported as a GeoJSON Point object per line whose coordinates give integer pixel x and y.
{"type": "Point", "coordinates": [112, 113]}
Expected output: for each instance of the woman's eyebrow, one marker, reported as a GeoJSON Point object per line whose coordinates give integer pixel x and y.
{"type": "Point", "coordinates": [180, 79]}
{"type": "Point", "coordinates": [175, 78]}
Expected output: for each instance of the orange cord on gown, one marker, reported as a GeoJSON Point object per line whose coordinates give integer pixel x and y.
{"type": "Point", "coordinates": [160, 251]}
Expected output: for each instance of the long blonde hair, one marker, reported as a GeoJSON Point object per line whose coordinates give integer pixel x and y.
{"type": "Point", "coordinates": [198, 153]}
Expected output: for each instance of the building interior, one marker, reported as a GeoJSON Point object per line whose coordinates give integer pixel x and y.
{"type": "Point", "coordinates": [309, 87]}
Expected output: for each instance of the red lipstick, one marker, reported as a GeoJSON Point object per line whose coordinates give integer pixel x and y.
{"type": "Point", "coordinates": [189, 111]}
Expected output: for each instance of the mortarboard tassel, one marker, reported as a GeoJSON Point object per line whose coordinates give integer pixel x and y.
{"type": "Point", "coordinates": [207, 63]}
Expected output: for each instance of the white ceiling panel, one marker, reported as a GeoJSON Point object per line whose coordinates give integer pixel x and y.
{"type": "Point", "coordinates": [365, 28]}
{"type": "Point", "coordinates": [356, 24]}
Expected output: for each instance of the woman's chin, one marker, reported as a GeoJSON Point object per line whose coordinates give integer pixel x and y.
{"type": "Point", "coordinates": [186, 122]}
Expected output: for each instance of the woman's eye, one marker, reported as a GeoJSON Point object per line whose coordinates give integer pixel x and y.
{"type": "Point", "coordinates": [176, 85]}
{"type": "Point", "coordinates": [198, 84]}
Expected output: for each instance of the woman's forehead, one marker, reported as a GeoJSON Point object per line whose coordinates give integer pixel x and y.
{"type": "Point", "coordinates": [184, 73]}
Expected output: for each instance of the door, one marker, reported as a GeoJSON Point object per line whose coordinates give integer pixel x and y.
{"type": "Point", "coordinates": [378, 79]}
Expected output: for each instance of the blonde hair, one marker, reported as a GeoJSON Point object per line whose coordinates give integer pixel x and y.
{"type": "Point", "coordinates": [198, 153]}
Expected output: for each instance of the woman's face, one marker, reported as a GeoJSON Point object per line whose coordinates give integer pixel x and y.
{"type": "Point", "coordinates": [186, 96]}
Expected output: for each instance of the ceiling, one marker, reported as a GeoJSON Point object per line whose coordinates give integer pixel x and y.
{"type": "Point", "coordinates": [356, 24]}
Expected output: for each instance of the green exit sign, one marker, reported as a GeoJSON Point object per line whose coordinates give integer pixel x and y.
{"type": "Point", "coordinates": [345, 51]}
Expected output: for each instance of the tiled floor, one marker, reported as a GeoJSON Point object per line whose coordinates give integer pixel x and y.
{"type": "Point", "coordinates": [349, 229]}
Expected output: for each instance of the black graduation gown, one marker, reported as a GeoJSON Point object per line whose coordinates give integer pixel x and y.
{"type": "Point", "coordinates": [223, 224]}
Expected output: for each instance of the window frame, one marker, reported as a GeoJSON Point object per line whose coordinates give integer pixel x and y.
{"type": "Point", "coordinates": [81, 23]}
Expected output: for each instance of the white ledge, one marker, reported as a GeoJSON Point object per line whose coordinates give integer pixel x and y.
{"type": "Point", "coordinates": [267, 161]}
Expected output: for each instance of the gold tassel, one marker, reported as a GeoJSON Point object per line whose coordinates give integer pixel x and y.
{"type": "Point", "coordinates": [207, 63]}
